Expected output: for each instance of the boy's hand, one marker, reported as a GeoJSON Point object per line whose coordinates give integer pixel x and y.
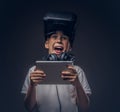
{"type": "Point", "coordinates": [69, 74]}
{"type": "Point", "coordinates": [37, 76]}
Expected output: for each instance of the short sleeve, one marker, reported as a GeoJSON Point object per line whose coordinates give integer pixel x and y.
{"type": "Point", "coordinates": [27, 81]}
{"type": "Point", "coordinates": [83, 80]}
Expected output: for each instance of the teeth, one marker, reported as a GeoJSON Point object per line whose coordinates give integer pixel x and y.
{"type": "Point", "coordinates": [58, 48]}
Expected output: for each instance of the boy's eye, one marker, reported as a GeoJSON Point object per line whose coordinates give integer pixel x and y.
{"type": "Point", "coordinates": [64, 37]}
{"type": "Point", "coordinates": [54, 36]}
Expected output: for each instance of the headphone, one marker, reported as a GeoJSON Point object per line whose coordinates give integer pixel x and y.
{"type": "Point", "coordinates": [65, 56]}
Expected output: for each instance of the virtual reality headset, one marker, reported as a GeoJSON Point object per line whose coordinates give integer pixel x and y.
{"type": "Point", "coordinates": [60, 21]}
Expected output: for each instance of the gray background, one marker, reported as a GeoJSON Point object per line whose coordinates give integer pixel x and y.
{"type": "Point", "coordinates": [96, 47]}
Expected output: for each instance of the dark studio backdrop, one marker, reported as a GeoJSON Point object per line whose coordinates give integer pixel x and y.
{"type": "Point", "coordinates": [96, 47]}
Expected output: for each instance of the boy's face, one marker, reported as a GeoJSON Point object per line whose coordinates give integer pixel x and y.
{"type": "Point", "coordinates": [57, 43]}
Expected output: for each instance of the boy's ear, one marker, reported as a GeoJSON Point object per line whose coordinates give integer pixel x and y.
{"type": "Point", "coordinates": [46, 44]}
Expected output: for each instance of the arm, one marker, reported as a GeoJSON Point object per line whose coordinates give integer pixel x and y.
{"type": "Point", "coordinates": [82, 98]}
{"type": "Point", "coordinates": [30, 99]}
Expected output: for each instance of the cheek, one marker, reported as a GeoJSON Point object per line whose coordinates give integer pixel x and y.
{"type": "Point", "coordinates": [50, 46]}
{"type": "Point", "coordinates": [67, 45]}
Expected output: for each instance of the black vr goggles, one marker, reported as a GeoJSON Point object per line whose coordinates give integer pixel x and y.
{"type": "Point", "coordinates": [62, 21]}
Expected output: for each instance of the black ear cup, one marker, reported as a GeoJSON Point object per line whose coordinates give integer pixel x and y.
{"type": "Point", "coordinates": [52, 57]}
{"type": "Point", "coordinates": [66, 56]}
{"type": "Point", "coordinates": [63, 57]}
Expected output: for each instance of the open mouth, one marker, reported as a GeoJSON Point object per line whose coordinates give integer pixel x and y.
{"type": "Point", "coordinates": [58, 49]}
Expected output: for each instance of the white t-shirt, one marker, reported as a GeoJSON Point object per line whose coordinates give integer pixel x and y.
{"type": "Point", "coordinates": [57, 98]}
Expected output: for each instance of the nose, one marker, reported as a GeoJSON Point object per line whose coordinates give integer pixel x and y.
{"type": "Point", "coordinates": [59, 39]}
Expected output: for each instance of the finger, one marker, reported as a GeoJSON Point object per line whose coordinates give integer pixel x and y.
{"type": "Point", "coordinates": [68, 73]}
{"type": "Point", "coordinates": [37, 78]}
{"type": "Point", "coordinates": [71, 67]}
{"type": "Point", "coordinates": [71, 70]}
{"type": "Point", "coordinates": [37, 74]}
{"type": "Point", "coordinates": [37, 81]}
{"type": "Point", "coordinates": [65, 72]}
{"type": "Point", "coordinates": [38, 71]}
{"type": "Point", "coordinates": [68, 77]}
{"type": "Point", "coordinates": [72, 80]}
